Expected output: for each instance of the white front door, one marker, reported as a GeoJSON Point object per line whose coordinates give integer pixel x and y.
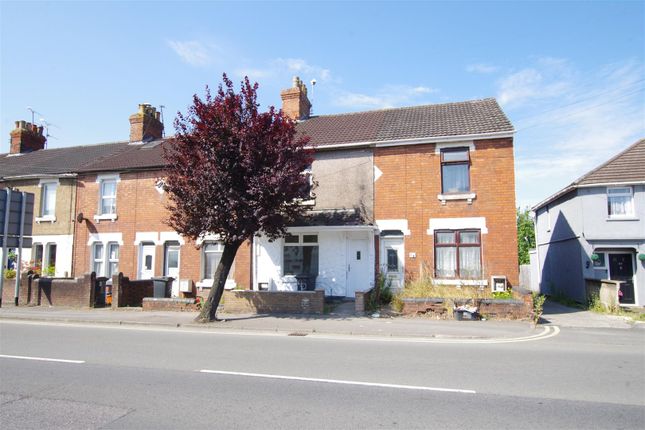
{"type": "Point", "coordinates": [393, 261]}
{"type": "Point", "coordinates": [358, 268]}
{"type": "Point", "coordinates": [171, 266]}
{"type": "Point", "coordinates": [147, 261]}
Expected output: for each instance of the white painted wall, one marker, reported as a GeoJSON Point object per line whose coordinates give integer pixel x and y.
{"type": "Point", "coordinates": [332, 261]}
{"type": "Point", "coordinates": [64, 250]}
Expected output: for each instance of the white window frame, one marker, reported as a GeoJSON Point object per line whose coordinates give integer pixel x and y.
{"type": "Point", "coordinates": [208, 282]}
{"type": "Point", "coordinates": [105, 259]}
{"type": "Point", "coordinates": [45, 185]}
{"type": "Point", "coordinates": [300, 243]}
{"type": "Point", "coordinates": [101, 180]}
{"type": "Point", "coordinates": [629, 192]}
{"type": "Point", "coordinates": [110, 260]}
{"type": "Point", "coordinates": [99, 260]}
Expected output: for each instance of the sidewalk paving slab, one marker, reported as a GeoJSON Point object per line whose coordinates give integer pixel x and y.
{"type": "Point", "coordinates": [418, 327]}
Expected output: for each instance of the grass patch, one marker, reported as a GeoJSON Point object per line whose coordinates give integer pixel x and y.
{"type": "Point", "coordinates": [427, 288]}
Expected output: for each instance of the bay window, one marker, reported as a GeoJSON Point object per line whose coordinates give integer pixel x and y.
{"type": "Point", "coordinates": [458, 254]}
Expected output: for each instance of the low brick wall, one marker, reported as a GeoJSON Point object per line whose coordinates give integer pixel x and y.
{"type": "Point", "coordinates": [605, 289]}
{"type": "Point", "coordinates": [270, 302]}
{"type": "Point", "coordinates": [25, 292]}
{"type": "Point", "coordinates": [165, 304]}
{"type": "Point", "coordinates": [130, 293]}
{"type": "Point", "coordinates": [490, 308]}
{"type": "Point", "coordinates": [362, 300]}
{"type": "Point", "coordinates": [73, 292]}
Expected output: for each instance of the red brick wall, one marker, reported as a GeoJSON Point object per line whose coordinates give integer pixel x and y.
{"type": "Point", "coordinates": [291, 302]}
{"type": "Point", "coordinates": [140, 208]}
{"type": "Point", "coordinates": [409, 187]}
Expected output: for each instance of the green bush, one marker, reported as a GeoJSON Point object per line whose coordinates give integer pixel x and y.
{"type": "Point", "coordinates": [538, 307]}
{"type": "Point", "coordinates": [9, 274]}
{"type": "Point", "coordinates": [49, 271]}
{"type": "Point", "coordinates": [503, 295]}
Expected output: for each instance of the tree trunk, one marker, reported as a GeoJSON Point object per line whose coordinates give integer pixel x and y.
{"type": "Point", "coordinates": [209, 307]}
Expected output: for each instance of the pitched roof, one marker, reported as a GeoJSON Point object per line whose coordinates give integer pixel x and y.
{"type": "Point", "coordinates": [56, 160]}
{"type": "Point", "coordinates": [475, 117]}
{"type": "Point", "coordinates": [626, 167]}
{"type": "Point", "coordinates": [417, 122]}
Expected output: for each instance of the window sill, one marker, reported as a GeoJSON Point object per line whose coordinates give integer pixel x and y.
{"type": "Point", "coordinates": [106, 217]}
{"type": "Point", "coordinates": [458, 196]}
{"type": "Point", "coordinates": [623, 218]}
{"type": "Point", "coordinates": [208, 283]}
{"type": "Point", "coordinates": [460, 282]}
{"type": "Point", "coordinates": [45, 218]}
{"type": "Point", "coordinates": [310, 202]}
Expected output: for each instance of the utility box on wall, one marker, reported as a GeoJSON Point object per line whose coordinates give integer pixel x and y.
{"type": "Point", "coordinates": [498, 284]}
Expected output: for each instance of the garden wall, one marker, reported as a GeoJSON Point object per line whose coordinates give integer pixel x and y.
{"type": "Point", "coordinates": [73, 292]}
{"type": "Point", "coordinates": [24, 294]}
{"type": "Point", "coordinates": [268, 302]}
{"type": "Point", "coordinates": [363, 299]}
{"type": "Point", "coordinates": [169, 304]}
{"type": "Point", "coordinates": [130, 293]}
{"type": "Point", "coordinates": [442, 308]}
{"type": "Point", "coordinates": [605, 290]}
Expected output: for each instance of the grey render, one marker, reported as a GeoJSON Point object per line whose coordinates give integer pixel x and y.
{"type": "Point", "coordinates": [573, 224]}
{"type": "Point", "coordinates": [345, 181]}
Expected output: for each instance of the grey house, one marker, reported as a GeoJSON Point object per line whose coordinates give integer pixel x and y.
{"type": "Point", "coordinates": [595, 229]}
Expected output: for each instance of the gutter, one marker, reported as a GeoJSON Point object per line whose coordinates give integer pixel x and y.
{"type": "Point", "coordinates": [574, 186]}
{"type": "Point", "coordinates": [416, 141]}
{"type": "Point", "coordinates": [38, 176]}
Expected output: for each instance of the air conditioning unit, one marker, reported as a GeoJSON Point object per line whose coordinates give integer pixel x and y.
{"type": "Point", "coordinates": [498, 284]}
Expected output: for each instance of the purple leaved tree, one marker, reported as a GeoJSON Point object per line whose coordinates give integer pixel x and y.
{"type": "Point", "coordinates": [235, 172]}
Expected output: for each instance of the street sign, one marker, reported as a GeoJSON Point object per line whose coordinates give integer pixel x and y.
{"type": "Point", "coordinates": [14, 242]}
{"type": "Point", "coordinates": [15, 210]}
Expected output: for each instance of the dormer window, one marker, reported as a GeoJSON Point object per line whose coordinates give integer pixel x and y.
{"type": "Point", "coordinates": [455, 170]}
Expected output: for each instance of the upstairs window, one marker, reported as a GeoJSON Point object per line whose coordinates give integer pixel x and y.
{"type": "Point", "coordinates": [620, 202]}
{"type": "Point", "coordinates": [48, 199]}
{"type": "Point", "coordinates": [458, 254]}
{"type": "Point", "coordinates": [107, 199]}
{"type": "Point", "coordinates": [455, 170]}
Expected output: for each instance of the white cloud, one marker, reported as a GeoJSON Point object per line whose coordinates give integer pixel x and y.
{"type": "Point", "coordinates": [193, 52]}
{"type": "Point", "coordinates": [279, 68]}
{"type": "Point", "coordinates": [386, 97]}
{"type": "Point", "coordinates": [568, 122]}
{"type": "Point", "coordinates": [481, 68]}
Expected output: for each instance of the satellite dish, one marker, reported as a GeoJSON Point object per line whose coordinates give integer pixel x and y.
{"type": "Point", "coordinates": [79, 217]}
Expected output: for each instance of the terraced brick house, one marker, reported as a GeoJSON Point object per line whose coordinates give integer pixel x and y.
{"type": "Point", "coordinates": [409, 191]}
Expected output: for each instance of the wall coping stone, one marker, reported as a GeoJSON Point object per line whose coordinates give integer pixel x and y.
{"type": "Point", "coordinates": [169, 300]}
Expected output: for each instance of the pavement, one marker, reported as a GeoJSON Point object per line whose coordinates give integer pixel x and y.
{"type": "Point", "coordinates": [339, 322]}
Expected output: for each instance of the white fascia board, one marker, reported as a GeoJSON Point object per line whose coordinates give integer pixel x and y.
{"type": "Point", "coordinates": [417, 141]}
{"type": "Point", "coordinates": [612, 184]}
{"type": "Point", "coordinates": [38, 176]}
{"type": "Point", "coordinates": [322, 228]}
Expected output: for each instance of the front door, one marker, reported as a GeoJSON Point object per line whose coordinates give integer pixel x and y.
{"type": "Point", "coordinates": [171, 266]}
{"type": "Point", "coordinates": [357, 267]}
{"type": "Point", "coordinates": [147, 261]}
{"type": "Point", "coordinates": [621, 268]}
{"type": "Point", "coordinates": [392, 261]}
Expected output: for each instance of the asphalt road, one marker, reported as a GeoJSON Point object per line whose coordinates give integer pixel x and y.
{"type": "Point", "coordinates": [174, 378]}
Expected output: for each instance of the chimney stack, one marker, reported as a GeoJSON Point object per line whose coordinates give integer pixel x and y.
{"type": "Point", "coordinates": [146, 125]}
{"type": "Point", "coordinates": [26, 137]}
{"type": "Point", "coordinates": [295, 103]}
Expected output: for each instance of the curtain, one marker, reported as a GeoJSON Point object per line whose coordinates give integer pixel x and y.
{"type": "Point", "coordinates": [455, 178]}
{"type": "Point", "coordinates": [469, 262]}
{"type": "Point", "coordinates": [446, 259]}
{"type": "Point", "coordinates": [620, 205]}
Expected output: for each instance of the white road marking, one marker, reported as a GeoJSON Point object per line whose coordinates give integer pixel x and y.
{"type": "Point", "coordinates": [338, 381]}
{"type": "Point", "coordinates": [57, 360]}
{"type": "Point", "coordinates": [547, 332]}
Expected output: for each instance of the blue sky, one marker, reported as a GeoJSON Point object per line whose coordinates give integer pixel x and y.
{"type": "Point", "coordinates": [569, 75]}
